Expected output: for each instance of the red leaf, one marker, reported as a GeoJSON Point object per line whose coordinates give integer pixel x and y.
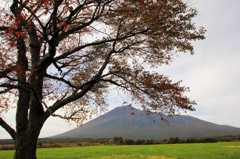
{"type": "Point", "coordinates": [11, 44]}
{"type": "Point", "coordinates": [64, 24]}
{"type": "Point", "coordinates": [25, 16]}
{"type": "Point", "coordinates": [17, 33]}
{"type": "Point", "coordinates": [132, 113]}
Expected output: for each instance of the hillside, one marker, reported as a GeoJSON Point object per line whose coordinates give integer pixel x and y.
{"type": "Point", "coordinates": [120, 122]}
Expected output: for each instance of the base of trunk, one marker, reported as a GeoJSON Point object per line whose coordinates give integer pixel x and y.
{"type": "Point", "coordinates": [25, 149]}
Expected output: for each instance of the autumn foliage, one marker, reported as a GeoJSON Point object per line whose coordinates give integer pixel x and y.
{"type": "Point", "coordinates": [65, 55]}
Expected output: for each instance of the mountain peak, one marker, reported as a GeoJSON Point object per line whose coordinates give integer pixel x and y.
{"type": "Point", "coordinates": [129, 122]}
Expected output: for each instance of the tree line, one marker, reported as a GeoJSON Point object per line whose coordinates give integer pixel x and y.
{"type": "Point", "coordinates": [173, 140]}
{"type": "Point", "coordinates": [126, 141]}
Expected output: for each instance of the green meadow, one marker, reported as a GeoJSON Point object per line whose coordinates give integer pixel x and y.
{"type": "Point", "coordinates": [162, 151]}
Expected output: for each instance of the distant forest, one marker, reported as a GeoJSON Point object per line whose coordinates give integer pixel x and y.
{"type": "Point", "coordinates": [119, 140]}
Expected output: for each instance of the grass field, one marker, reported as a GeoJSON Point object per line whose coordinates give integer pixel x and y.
{"type": "Point", "coordinates": [164, 151]}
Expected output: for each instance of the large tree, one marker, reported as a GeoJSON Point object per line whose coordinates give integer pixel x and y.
{"type": "Point", "coordinates": [66, 54]}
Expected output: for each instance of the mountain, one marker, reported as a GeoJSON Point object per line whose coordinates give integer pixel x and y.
{"type": "Point", "coordinates": [120, 122]}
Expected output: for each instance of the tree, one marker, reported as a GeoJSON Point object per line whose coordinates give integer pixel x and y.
{"type": "Point", "coordinates": [238, 137]}
{"type": "Point", "coordinates": [118, 140]}
{"type": "Point", "coordinates": [192, 140]}
{"type": "Point", "coordinates": [150, 141]}
{"type": "Point", "coordinates": [176, 140]}
{"type": "Point", "coordinates": [111, 142]}
{"type": "Point", "coordinates": [64, 55]}
{"type": "Point", "coordinates": [202, 139]}
{"type": "Point", "coordinates": [171, 140]}
{"type": "Point", "coordinates": [139, 142]}
{"type": "Point", "coordinates": [186, 140]}
{"type": "Point", "coordinates": [142, 141]}
{"type": "Point", "coordinates": [79, 143]}
{"type": "Point", "coordinates": [128, 141]}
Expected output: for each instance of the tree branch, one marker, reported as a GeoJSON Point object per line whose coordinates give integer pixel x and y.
{"type": "Point", "coordinates": [10, 130]}
{"type": "Point", "coordinates": [113, 82]}
{"type": "Point", "coordinates": [79, 27]}
{"type": "Point", "coordinates": [60, 79]}
{"type": "Point", "coordinates": [5, 72]}
{"type": "Point", "coordinates": [128, 35]}
{"type": "Point", "coordinates": [72, 97]}
{"type": "Point", "coordinates": [71, 116]}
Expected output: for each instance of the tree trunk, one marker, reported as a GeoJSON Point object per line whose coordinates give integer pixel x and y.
{"type": "Point", "coordinates": [25, 148]}
{"type": "Point", "coordinates": [26, 142]}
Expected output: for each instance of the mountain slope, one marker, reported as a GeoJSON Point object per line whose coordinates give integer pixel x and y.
{"type": "Point", "coordinates": [120, 122]}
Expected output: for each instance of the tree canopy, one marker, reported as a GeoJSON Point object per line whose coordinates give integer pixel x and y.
{"type": "Point", "coordinates": [66, 54]}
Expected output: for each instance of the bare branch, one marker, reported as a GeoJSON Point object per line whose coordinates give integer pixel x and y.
{"type": "Point", "coordinates": [10, 130]}
{"type": "Point", "coordinates": [5, 72]}
{"type": "Point", "coordinates": [115, 83]}
{"type": "Point", "coordinates": [74, 96]}
{"type": "Point", "coordinates": [71, 116]}
{"type": "Point", "coordinates": [6, 90]}
{"type": "Point", "coordinates": [64, 55]}
{"type": "Point", "coordinates": [60, 79]}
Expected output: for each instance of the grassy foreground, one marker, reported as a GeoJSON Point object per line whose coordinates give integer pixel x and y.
{"type": "Point", "coordinates": [164, 151]}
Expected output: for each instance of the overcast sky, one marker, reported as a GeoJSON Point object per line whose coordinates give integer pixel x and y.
{"type": "Point", "coordinates": [212, 73]}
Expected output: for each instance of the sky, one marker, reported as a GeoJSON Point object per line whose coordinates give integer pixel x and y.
{"type": "Point", "coordinates": [212, 73]}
